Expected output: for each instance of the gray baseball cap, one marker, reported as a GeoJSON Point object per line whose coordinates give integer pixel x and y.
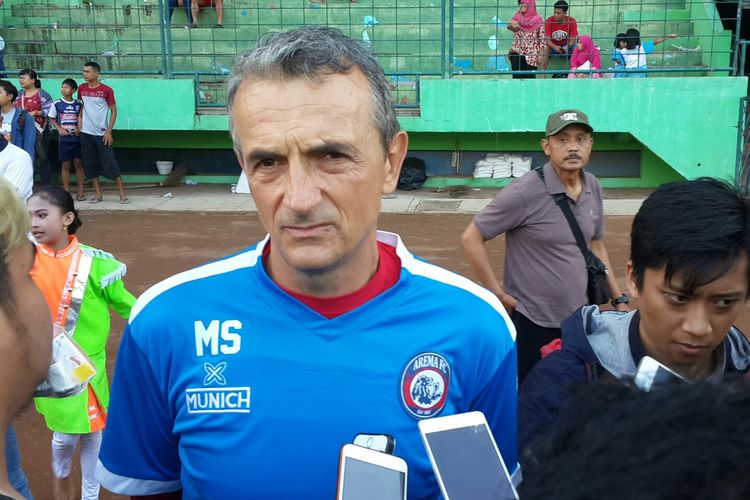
{"type": "Point", "coordinates": [561, 119]}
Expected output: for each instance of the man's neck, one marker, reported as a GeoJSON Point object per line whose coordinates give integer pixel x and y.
{"type": "Point", "coordinates": [345, 278]}
{"type": "Point", "coordinates": [571, 181]}
{"type": "Point", "coordinates": [94, 84]}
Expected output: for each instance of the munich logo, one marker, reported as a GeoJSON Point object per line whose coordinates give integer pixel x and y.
{"type": "Point", "coordinates": [218, 400]}
{"type": "Point", "coordinates": [424, 385]}
{"type": "Point", "coordinates": [215, 373]}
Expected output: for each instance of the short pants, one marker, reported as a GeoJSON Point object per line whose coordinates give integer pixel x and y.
{"type": "Point", "coordinates": [98, 159]}
{"type": "Point", "coordinates": [70, 150]}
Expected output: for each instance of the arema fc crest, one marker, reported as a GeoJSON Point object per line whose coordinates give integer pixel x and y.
{"type": "Point", "coordinates": [424, 385]}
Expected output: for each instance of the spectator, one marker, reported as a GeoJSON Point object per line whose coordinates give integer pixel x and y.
{"type": "Point", "coordinates": [37, 102]}
{"type": "Point", "coordinates": [562, 35]}
{"type": "Point", "coordinates": [17, 126]}
{"type": "Point", "coordinates": [545, 271]}
{"type": "Point", "coordinates": [621, 43]}
{"type": "Point", "coordinates": [528, 39]}
{"type": "Point", "coordinates": [689, 267]}
{"type": "Point", "coordinates": [196, 5]}
{"type": "Point", "coordinates": [25, 335]}
{"type": "Point", "coordinates": [682, 441]}
{"type": "Point", "coordinates": [585, 57]}
{"type": "Point", "coordinates": [635, 53]}
{"type": "Point", "coordinates": [96, 132]}
{"type": "Point", "coordinates": [173, 4]}
{"type": "Point", "coordinates": [99, 286]}
{"type": "Point", "coordinates": [325, 314]}
{"type": "Point", "coordinates": [65, 116]}
{"type": "Point", "coordinates": [16, 168]}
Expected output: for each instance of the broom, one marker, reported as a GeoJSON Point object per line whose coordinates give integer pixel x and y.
{"type": "Point", "coordinates": [174, 179]}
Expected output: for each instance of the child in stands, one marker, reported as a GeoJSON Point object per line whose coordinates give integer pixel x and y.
{"type": "Point", "coordinates": [79, 283]}
{"type": "Point", "coordinates": [635, 53]}
{"type": "Point", "coordinates": [65, 116]}
{"type": "Point", "coordinates": [621, 43]}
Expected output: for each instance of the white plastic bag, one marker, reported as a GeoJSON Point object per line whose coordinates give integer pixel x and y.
{"type": "Point", "coordinates": [70, 369]}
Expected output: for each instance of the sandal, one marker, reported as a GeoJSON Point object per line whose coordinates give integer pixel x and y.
{"type": "Point", "coordinates": [96, 199]}
{"type": "Point", "coordinates": [218, 25]}
{"type": "Point", "coordinates": [124, 201]}
{"type": "Point", "coordinates": [81, 197]}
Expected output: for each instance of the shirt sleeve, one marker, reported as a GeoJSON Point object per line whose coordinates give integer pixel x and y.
{"type": "Point", "coordinates": [139, 453]}
{"type": "Point", "coordinates": [648, 47]}
{"type": "Point", "coordinates": [110, 97]}
{"type": "Point", "coordinates": [573, 29]}
{"type": "Point", "coordinates": [548, 28]}
{"type": "Point", "coordinates": [20, 173]}
{"type": "Point", "coordinates": [506, 211]}
{"type": "Point", "coordinates": [53, 111]}
{"type": "Point", "coordinates": [599, 229]}
{"type": "Point", "coordinates": [46, 101]}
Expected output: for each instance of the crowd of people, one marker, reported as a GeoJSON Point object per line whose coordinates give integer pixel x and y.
{"type": "Point", "coordinates": [263, 364]}
{"type": "Point", "coordinates": [539, 42]}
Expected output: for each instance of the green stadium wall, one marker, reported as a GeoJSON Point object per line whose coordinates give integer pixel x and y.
{"type": "Point", "coordinates": [684, 127]}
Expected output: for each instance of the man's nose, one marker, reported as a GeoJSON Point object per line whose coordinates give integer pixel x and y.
{"type": "Point", "coordinates": [697, 320]}
{"type": "Point", "coordinates": [302, 191]}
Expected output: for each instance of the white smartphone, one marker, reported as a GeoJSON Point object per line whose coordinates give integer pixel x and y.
{"type": "Point", "coordinates": [384, 443]}
{"type": "Point", "coordinates": [651, 373]}
{"type": "Point", "coordinates": [465, 458]}
{"type": "Point", "coordinates": [366, 474]}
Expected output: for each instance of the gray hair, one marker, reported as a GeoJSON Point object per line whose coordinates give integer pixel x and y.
{"type": "Point", "coordinates": [315, 52]}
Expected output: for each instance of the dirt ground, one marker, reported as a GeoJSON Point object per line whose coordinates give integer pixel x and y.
{"type": "Point", "coordinates": [158, 245]}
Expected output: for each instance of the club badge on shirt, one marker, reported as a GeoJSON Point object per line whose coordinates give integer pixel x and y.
{"type": "Point", "coordinates": [424, 385]}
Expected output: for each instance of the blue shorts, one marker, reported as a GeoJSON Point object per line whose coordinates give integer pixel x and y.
{"type": "Point", "coordinates": [70, 150]}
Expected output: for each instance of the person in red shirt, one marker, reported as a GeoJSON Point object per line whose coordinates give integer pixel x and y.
{"type": "Point", "coordinates": [561, 31]}
{"type": "Point", "coordinates": [37, 103]}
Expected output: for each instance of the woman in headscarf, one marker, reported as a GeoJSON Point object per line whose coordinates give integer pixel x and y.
{"type": "Point", "coordinates": [528, 39]}
{"type": "Point", "coordinates": [585, 57]}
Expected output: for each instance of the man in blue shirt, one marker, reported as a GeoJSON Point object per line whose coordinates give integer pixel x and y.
{"type": "Point", "coordinates": [244, 377]}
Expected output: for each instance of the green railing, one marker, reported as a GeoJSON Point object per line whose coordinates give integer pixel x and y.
{"type": "Point", "coordinates": [413, 39]}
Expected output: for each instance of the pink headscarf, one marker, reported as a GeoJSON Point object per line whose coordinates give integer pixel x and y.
{"type": "Point", "coordinates": [531, 20]}
{"type": "Point", "coordinates": [589, 53]}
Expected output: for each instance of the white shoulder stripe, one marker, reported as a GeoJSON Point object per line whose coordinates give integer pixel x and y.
{"type": "Point", "coordinates": [431, 271]}
{"type": "Point", "coordinates": [133, 487]}
{"type": "Point", "coordinates": [245, 259]}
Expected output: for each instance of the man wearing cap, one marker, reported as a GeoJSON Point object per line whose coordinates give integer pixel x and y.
{"type": "Point", "coordinates": [545, 276]}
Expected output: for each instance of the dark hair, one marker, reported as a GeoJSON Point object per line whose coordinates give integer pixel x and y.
{"type": "Point", "coordinates": [9, 88]}
{"type": "Point", "coordinates": [633, 37]}
{"type": "Point", "coordinates": [31, 74]}
{"type": "Point", "coordinates": [92, 64]}
{"type": "Point", "coordinates": [621, 37]}
{"type": "Point", "coordinates": [562, 5]}
{"type": "Point", "coordinates": [70, 83]}
{"type": "Point", "coordinates": [62, 200]}
{"type": "Point", "coordinates": [680, 441]}
{"type": "Point", "coordinates": [696, 229]}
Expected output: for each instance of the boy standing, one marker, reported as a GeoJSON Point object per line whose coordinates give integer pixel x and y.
{"type": "Point", "coordinates": [96, 132]}
{"type": "Point", "coordinates": [65, 115]}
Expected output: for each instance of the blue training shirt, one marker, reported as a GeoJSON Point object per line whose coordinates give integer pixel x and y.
{"type": "Point", "coordinates": [227, 387]}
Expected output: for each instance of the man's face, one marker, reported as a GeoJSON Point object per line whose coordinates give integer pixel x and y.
{"type": "Point", "coordinates": [569, 149]}
{"type": "Point", "coordinates": [683, 330]}
{"type": "Point", "coordinates": [316, 168]}
{"type": "Point", "coordinates": [90, 74]}
{"type": "Point", "coordinates": [559, 15]}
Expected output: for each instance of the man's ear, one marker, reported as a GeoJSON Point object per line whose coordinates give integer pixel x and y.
{"type": "Point", "coordinates": [545, 146]}
{"type": "Point", "coordinates": [393, 161]}
{"type": "Point", "coordinates": [630, 280]}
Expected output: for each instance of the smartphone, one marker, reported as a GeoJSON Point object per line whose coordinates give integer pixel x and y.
{"type": "Point", "coordinates": [651, 373]}
{"type": "Point", "coordinates": [465, 458]}
{"type": "Point", "coordinates": [384, 443]}
{"type": "Point", "coordinates": [366, 474]}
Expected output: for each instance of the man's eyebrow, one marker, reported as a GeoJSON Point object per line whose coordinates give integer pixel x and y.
{"type": "Point", "coordinates": [331, 147]}
{"type": "Point", "coordinates": [259, 154]}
